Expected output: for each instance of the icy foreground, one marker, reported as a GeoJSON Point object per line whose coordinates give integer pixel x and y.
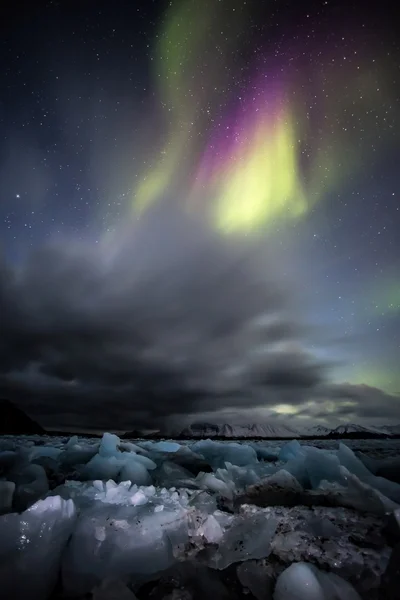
{"type": "Point", "coordinates": [118, 520]}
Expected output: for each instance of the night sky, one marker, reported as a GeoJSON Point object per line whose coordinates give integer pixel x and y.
{"type": "Point", "coordinates": [200, 212]}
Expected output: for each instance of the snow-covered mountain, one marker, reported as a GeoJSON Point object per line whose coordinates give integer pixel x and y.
{"type": "Point", "coordinates": [281, 431]}
{"type": "Point", "coordinates": [391, 429]}
{"type": "Point", "coordinates": [317, 430]}
{"type": "Point", "coordinates": [353, 428]}
{"type": "Point", "coordinates": [265, 430]}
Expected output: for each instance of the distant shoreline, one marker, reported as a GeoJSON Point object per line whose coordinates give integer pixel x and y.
{"type": "Point", "coordinates": [128, 436]}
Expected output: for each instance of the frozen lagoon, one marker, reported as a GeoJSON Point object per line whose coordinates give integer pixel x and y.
{"type": "Point", "coordinates": [268, 520]}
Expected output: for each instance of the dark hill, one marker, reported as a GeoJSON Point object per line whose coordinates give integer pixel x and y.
{"type": "Point", "coordinates": [13, 420]}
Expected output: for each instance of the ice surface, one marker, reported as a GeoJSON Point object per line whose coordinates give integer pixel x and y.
{"type": "Point", "coordinates": [108, 445]}
{"type": "Point", "coordinates": [208, 481]}
{"type": "Point", "coordinates": [123, 543]}
{"type": "Point", "coordinates": [7, 459]}
{"type": "Point", "coordinates": [237, 478]}
{"type": "Point", "coordinates": [111, 463]}
{"type": "Point", "coordinates": [302, 581]}
{"type": "Point", "coordinates": [31, 547]}
{"type": "Point", "coordinates": [31, 484]}
{"type": "Point", "coordinates": [77, 455]}
{"type": "Point", "coordinates": [170, 474]}
{"type": "Point", "coordinates": [291, 450]}
{"type": "Point", "coordinates": [103, 467]}
{"type": "Point", "coordinates": [49, 451]}
{"type": "Point", "coordinates": [7, 489]}
{"type": "Point", "coordinates": [128, 530]}
{"type": "Point", "coordinates": [349, 460]}
{"type": "Point", "coordinates": [321, 465]}
{"type": "Point", "coordinates": [135, 472]}
{"type": "Point", "coordinates": [171, 447]}
{"type": "Point", "coordinates": [211, 530]}
{"type": "Point", "coordinates": [218, 453]}
{"type": "Point", "coordinates": [247, 538]}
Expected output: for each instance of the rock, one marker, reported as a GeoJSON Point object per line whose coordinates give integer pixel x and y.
{"type": "Point", "coordinates": [257, 577]}
{"type": "Point", "coordinates": [187, 580]}
{"type": "Point", "coordinates": [391, 579]}
{"type": "Point", "coordinates": [392, 528]}
{"type": "Point", "coordinates": [295, 541]}
{"type": "Point", "coordinates": [280, 489]}
{"type": "Point", "coordinates": [112, 589]}
{"type": "Point", "coordinates": [13, 420]}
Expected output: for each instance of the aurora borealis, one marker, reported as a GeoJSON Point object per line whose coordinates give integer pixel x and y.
{"type": "Point", "coordinates": [200, 212]}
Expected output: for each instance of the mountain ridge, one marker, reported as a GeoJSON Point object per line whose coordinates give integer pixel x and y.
{"type": "Point", "coordinates": [280, 431]}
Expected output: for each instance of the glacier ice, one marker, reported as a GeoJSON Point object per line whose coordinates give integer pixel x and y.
{"type": "Point", "coordinates": [169, 447]}
{"type": "Point", "coordinates": [7, 489]}
{"type": "Point", "coordinates": [31, 484]}
{"type": "Point", "coordinates": [135, 472]}
{"type": "Point", "coordinates": [123, 543]}
{"type": "Point", "coordinates": [290, 450]}
{"type": "Point", "coordinates": [247, 538]}
{"type": "Point", "coordinates": [31, 547]}
{"type": "Point", "coordinates": [322, 466]}
{"type": "Point", "coordinates": [76, 455]}
{"type": "Point", "coordinates": [8, 458]}
{"type": "Point", "coordinates": [303, 581]}
{"type": "Point", "coordinates": [211, 530]}
{"type": "Point", "coordinates": [109, 444]}
{"type": "Point", "coordinates": [103, 467]}
{"type": "Point", "coordinates": [144, 505]}
{"type": "Point", "coordinates": [210, 482]}
{"type": "Point", "coordinates": [218, 453]}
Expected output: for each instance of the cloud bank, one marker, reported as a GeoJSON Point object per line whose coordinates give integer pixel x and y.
{"type": "Point", "coordinates": [168, 321]}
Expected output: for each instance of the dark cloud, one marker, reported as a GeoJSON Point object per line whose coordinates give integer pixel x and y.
{"type": "Point", "coordinates": [364, 401]}
{"type": "Point", "coordinates": [169, 319]}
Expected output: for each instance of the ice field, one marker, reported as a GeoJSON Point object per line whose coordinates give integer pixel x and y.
{"type": "Point", "coordinates": [115, 519]}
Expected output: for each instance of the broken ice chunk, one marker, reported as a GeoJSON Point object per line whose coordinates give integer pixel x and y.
{"type": "Point", "coordinates": [247, 538]}
{"type": "Point", "coordinates": [291, 450]}
{"type": "Point", "coordinates": [161, 446]}
{"type": "Point", "coordinates": [31, 548]}
{"type": "Point", "coordinates": [77, 455]}
{"type": "Point", "coordinates": [31, 484]}
{"type": "Point", "coordinates": [218, 453]}
{"type": "Point", "coordinates": [303, 581]}
{"type": "Point", "coordinates": [322, 465]}
{"type": "Point", "coordinates": [7, 489]}
{"type": "Point", "coordinates": [135, 472]}
{"type": "Point", "coordinates": [353, 464]}
{"type": "Point", "coordinates": [108, 445]}
{"type": "Point", "coordinates": [50, 451]}
{"type": "Point", "coordinates": [210, 482]}
{"type": "Point", "coordinates": [131, 542]}
{"type": "Point", "coordinates": [211, 530]}
{"type": "Point", "coordinates": [102, 467]}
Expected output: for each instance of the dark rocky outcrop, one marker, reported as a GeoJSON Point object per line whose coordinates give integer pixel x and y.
{"type": "Point", "coordinates": [13, 420]}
